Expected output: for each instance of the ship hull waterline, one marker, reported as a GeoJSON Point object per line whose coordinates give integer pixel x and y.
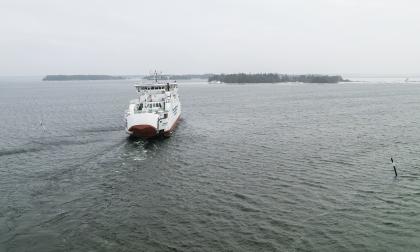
{"type": "Point", "coordinates": [149, 132]}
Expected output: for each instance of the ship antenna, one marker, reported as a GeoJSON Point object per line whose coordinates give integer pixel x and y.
{"type": "Point", "coordinates": [156, 78]}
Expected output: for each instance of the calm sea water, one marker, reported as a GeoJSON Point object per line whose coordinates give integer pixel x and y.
{"type": "Point", "coordinates": [285, 167]}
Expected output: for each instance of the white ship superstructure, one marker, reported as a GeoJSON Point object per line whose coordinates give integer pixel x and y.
{"type": "Point", "coordinates": [155, 112]}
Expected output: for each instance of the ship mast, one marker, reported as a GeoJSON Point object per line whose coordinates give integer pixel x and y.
{"type": "Point", "coordinates": [156, 77]}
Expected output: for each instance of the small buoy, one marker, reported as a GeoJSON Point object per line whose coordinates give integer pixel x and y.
{"type": "Point", "coordinates": [395, 169]}
{"type": "Point", "coordinates": [42, 125]}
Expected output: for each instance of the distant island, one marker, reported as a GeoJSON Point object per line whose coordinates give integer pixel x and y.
{"type": "Point", "coordinates": [81, 77]}
{"type": "Point", "coordinates": [178, 76]}
{"type": "Point", "coordinates": [222, 78]}
{"type": "Point", "coordinates": [275, 78]}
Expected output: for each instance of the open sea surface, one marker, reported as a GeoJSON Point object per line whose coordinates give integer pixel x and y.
{"type": "Point", "coordinates": [262, 167]}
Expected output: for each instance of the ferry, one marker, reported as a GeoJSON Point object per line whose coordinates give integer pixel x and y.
{"type": "Point", "coordinates": [156, 112]}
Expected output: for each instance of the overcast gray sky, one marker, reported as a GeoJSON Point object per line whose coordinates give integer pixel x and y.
{"type": "Point", "coordinates": [192, 36]}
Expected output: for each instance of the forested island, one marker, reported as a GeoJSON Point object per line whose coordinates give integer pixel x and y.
{"type": "Point", "coordinates": [225, 78]}
{"type": "Point", "coordinates": [81, 77]}
{"type": "Point", "coordinates": [275, 78]}
{"type": "Point", "coordinates": [178, 76]}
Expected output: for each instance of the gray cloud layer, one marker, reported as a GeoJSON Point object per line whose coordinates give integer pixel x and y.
{"type": "Point", "coordinates": [193, 36]}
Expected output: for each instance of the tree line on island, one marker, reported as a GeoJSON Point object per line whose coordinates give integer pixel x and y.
{"type": "Point", "coordinates": [275, 78]}
{"type": "Point", "coordinates": [221, 78]}
{"type": "Point", "coordinates": [83, 77]}
{"type": "Point", "coordinates": [178, 76]}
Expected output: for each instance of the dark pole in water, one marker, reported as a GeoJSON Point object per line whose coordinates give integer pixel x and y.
{"type": "Point", "coordinates": [395, 169]}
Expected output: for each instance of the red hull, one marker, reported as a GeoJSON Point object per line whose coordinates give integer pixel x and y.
{"type": "Point", "coordinates": [143, 131]}
{"type": "Point", "coordinates": [147, 131]}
